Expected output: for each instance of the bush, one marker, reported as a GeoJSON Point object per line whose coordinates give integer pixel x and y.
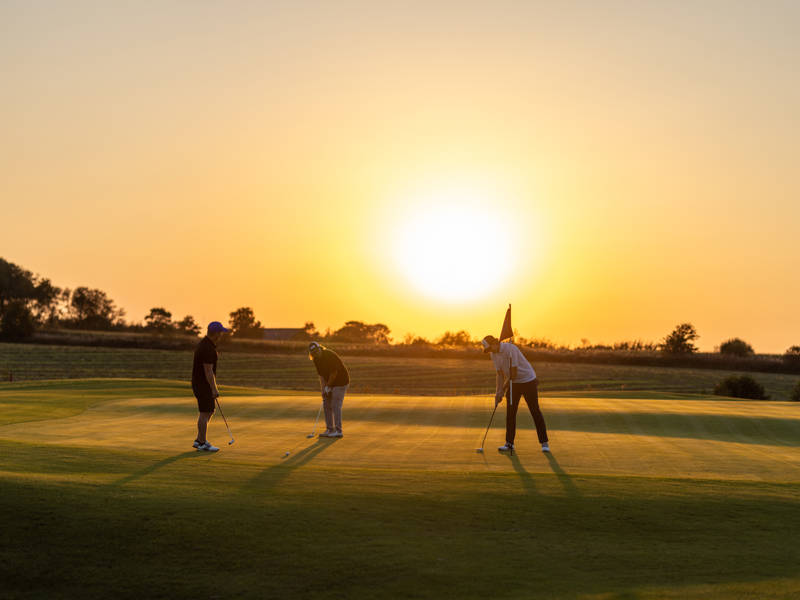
{"type": "Point", "coordinates": [796, 393]}
{"type": "Point", "coordinates": [742, 386]}
{"type": "Point", "coordinates": [736, 347]}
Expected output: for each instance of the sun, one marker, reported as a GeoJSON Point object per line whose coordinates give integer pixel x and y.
{"type": "Point", "coordinates": [453, 249]}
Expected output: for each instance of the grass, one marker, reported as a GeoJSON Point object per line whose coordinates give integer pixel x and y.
{"type": "Point", "coordinates": [641, 498]}
{"type": "Point", "coordinates": [380, 374]}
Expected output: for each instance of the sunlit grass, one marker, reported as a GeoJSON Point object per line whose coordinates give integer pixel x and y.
{"type": "Point", "coordinates": [642, 498]}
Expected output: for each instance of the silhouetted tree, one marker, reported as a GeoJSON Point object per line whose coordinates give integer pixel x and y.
{"type": "Point", "coordinates": [358, 332]}
{"type": "Point", "coordinates": [792, 355]}
{"type": "Point", "coordinates": [309, 332]}
{"type": "Point", "coordinates": [459, 338]}
{"type": "Point", "coordinates": [680, 340]}
{"type": "Point", "coordinates": [243, 323]}
{"type": "Point", "coordinates": [26, 298]}
{"type": "Point", "coordinates": [16, 284]}
{"type": "Point", "coordinates": [415, 340]}
{"type": "Point", "coordinates": [47, 301]}
{"type": "Point", "coordinates": [736, 347]}
{"type": "Point", "coordinates": [93, 309]}
{"type": "Point", "coordinates": [188, 325]}
{"type": "Point", "coordinates": [16, 322]}
{"type": "Point", "coordinates": [159, 319]}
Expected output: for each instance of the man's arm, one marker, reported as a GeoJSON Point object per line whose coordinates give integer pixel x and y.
{"type": "Point", "coordinates": [331, 378]}
{"type": "Point", "coordinates": [501, 385]}
{"type": "Point", "coordinates": [212, 379]}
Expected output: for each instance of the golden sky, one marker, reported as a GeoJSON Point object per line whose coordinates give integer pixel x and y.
{"type": "Point", "coordinates": [611, 169]}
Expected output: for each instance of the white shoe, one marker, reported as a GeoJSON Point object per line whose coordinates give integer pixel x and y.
{"type": "Point", "coordinates": [325, 434]}
{"type": "Point", "coordinates": [336, 434]}
{"type": "Point", "coordinates": [545, 447]}
{"type": "Point", "coordinates": [509, 447]}
{"type": "Point", "coordinates": [196, 444]}
{"type": "Point", "coordinates": [207, 447]}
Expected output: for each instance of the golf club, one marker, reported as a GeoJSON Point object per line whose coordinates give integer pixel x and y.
{"type": "Point", "coordinates": [226, 421]}
{"type": "Point", "coordinates": [314, 431]}
{"type": "Point", "coordinates": [480, 450]}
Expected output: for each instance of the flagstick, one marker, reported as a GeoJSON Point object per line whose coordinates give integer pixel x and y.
{"type": "Point", "coordinates": [508, 334]}
{"type": "Point", "coordinates": [510, 385]}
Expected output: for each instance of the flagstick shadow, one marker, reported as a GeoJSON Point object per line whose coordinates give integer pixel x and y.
{"type": "Point", "coordinates": [154, 467]}
{"type": "Point", "coordinates": [563, 477]}
{"type": "Point", "coordinates": [271, 476]}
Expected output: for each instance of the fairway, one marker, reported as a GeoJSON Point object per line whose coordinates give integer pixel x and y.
{"type": "Point", "coordinates": [644, 496]}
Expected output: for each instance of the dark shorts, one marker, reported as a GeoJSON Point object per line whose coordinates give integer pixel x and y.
{"type": "Point", "coordinates": [205, 402]}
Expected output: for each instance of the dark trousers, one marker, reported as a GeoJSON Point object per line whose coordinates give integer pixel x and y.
{"type": "Point", "coordinates": [530, 390]}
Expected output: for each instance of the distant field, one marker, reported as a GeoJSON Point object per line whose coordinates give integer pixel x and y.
{"type": "Point", "coordinates": [369, 374]}
{"type": "Point", "coordinates": [640, 498]}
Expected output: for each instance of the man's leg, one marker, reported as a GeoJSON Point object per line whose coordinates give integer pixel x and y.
{"type": "Point", "coordinates": [202, 425]}
{"type": "Point", "coordinates": [337, 399]}
{"type": "Point", "coordinates": [511, 414]}
{"type": "Point", "coordinates": [328, 409]}
{"type": "Point", "coordinates": [531, 392]}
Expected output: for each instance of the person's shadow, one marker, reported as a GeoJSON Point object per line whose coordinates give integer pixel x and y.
{"type": "Point", "coordinates": [529, 483]}
{"type": "Point", "coordinates": [563, 477]}
{"type": "Point", "coordinates": [153, 468]}
{"type": "Point", "coordinates": [271, 476]}
{"type": "Point", "coordinates": [524, 476]}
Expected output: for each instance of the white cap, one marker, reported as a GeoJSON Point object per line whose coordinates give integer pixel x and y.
{"type": "Point", "coordinates": [313, 347]}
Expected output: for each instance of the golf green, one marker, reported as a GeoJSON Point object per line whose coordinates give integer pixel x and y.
{"type": "Point", "coordinates": [654, 496]}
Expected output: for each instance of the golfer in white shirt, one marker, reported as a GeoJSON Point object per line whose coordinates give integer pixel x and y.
{"type": "Point", "coordinates": [515, 379]}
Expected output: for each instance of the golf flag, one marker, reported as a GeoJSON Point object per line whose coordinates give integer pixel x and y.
{"type": "Point", "coordinates": [507, 333]}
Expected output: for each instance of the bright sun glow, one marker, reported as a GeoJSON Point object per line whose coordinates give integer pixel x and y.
{"type": "Point", "coordinates": [453, 249]}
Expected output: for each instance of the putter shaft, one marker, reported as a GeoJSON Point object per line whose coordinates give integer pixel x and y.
{"type": "Point", "coordinates": [483, 441]}
{"type": "Point", "coordinates": [226, 421]}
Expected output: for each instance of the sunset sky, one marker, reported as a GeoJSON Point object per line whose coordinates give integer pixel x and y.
{"type": "Point", "coordinates": [611, 169]}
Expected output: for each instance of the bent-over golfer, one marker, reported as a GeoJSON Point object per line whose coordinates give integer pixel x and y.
{"type": "Point", "coordinates": [515, 372]}
{"type": "Point", "coordinates": [204, 382]}
{"type": "Point", "coordinates": [333, 381]}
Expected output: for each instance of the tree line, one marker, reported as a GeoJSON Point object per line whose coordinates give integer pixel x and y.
{"type": "Point", "coordinates": [29, 302]}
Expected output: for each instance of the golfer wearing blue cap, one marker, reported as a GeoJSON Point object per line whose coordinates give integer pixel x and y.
{"type": "Point", "coordinates": [204, 382]}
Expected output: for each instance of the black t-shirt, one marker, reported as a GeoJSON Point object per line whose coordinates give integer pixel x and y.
{"type": "Point", "coordinates": [205, 353]}
{"type": "Point", "coordinates": [327, 363]}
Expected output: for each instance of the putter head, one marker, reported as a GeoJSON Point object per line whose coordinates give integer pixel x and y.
{"type": "Point", "coordinates": [479, 450]}
{"type": "Point", "coordinates": [229, 443]}
{"type": "Point", "coordinates": [310, 435]}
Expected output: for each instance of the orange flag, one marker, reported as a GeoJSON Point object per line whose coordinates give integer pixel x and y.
{"type": "Point", "coordinates": [507, 333]}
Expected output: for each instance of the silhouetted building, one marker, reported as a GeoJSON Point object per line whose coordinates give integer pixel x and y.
{"type": "Point", "coordinates": [284, 334]}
